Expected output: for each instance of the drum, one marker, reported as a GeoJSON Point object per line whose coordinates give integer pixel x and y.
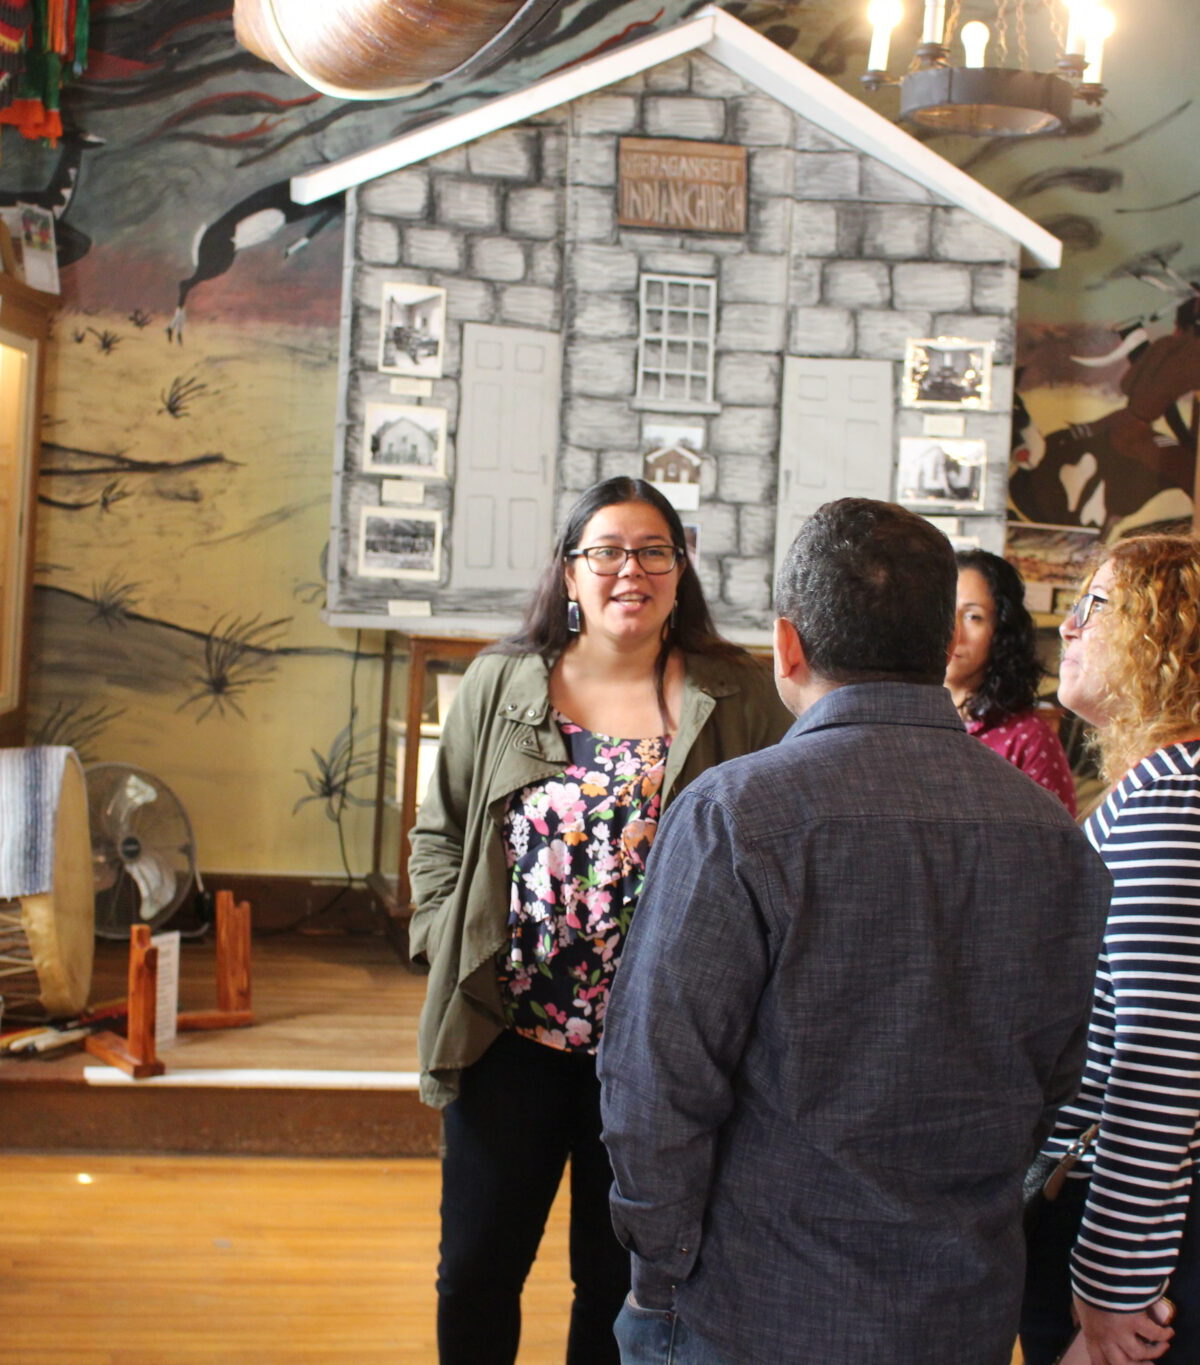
{"type": "Point", "coordinates": [383, 49]}
{"type": "Point", "coordinates": [47, 938]}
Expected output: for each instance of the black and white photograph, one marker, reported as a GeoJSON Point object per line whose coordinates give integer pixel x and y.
{"type": "Point", "coordinates": [404, 440]}
{"type": "Point", "coordinates": [947, 372]}
{"type": "Point", "coordinates": [941, 473]}
{"type": "Point", "coordinates": [412, 330]}
{"type": "Point", "coordinates": [691, 536]}
{"type": "Point", "coordinates": [671, 461]}
{"type": "Point", "coordinates": [395, 544]}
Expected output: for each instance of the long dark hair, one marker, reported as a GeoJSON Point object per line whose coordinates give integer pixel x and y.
{"type": "Point", "coordinates": [544, 627]}
{"type": "Point", "coordinates": [1010, 680]}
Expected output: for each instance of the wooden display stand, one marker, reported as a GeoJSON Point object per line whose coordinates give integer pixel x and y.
{"type": "Point", "coordinates": [233, 970]}
{"type": "Point", "coordinates": [425, 653]}
{"type": "Point", "coordinates": [136, 1053]}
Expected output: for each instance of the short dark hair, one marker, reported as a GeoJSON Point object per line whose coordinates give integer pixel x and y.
{"type": "Point", "coordinates": [544, 628]}
{"type": "Point", "coordinates": [1010, 680]}
{"type": "Point", "coordinates": [870, 588]}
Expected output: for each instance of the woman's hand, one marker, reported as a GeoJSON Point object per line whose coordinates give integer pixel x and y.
{"type": "Point", "coordinates": [1121, 1338]}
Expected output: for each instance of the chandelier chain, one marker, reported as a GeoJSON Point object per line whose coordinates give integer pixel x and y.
{"type": "Point", "coordinates": [1057, 26]}
{"type": "Point", "coordinates": [952, 21]}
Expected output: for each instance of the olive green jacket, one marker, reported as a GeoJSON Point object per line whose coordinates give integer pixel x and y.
{"type": "Point", "coordinates": [499, 737]}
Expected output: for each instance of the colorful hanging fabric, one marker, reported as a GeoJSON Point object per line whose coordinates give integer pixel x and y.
{"type": "Point", "coordinates": [15, 19]}
{"type": "Point", "coordinates": [50, 49]}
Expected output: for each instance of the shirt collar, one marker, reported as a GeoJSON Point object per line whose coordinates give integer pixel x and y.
{"type": "Point", "coordinates": [880, 703]}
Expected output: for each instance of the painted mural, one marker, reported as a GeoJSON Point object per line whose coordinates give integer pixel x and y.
{"type": "Point", "coordinates": [189, 433]}
{"type": "Point", "coordinates": [1108, 354]}
{"type": "Point", "coordinates": [189, 430]}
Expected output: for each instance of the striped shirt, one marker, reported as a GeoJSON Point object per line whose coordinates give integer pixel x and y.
{"type": "Point", "coordinates": [1142, 1079]}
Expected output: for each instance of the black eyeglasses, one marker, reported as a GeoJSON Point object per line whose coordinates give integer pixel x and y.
{"type": "Point", "coordinates": [608, 560]}
{"type": "Point", "coordinates": [1081, 612]}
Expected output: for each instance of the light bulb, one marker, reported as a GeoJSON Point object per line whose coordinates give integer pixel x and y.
{"type": "Point", "coordinates": [1079, 15]}
{"type": "Point", "coordinates": [935, 21]}
{"type": "Point", "coordinates": [975, 37]}
{"type": "Point", "coordinates": [884, 15]}
{"type": "Point", "coordinates": [1100, 26]}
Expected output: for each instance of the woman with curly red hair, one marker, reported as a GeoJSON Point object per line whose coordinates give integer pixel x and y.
{"type": "Point", "coordinates": [1125, 1231]}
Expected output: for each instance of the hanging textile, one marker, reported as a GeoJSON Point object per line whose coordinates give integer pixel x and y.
{"type": "Point", "coordinates": [43, 44]}
{"type": "Point", "coordinates": [15, 16]}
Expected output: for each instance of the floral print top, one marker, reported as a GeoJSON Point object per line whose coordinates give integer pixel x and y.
{"type": "Point", "coordinates": [576, 848]}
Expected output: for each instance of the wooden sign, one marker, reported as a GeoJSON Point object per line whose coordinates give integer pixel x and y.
{"type": "Point", "coordinates": [696, 186]}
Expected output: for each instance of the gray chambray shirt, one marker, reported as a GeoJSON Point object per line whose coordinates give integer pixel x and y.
{"type": "Point", "coordinates": [854, 994]}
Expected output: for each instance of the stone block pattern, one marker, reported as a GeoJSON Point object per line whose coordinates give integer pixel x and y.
{"type": "Point", "coordinates": [842, 257]}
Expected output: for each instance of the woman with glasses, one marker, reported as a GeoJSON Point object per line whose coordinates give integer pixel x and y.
{"type": "Point", "coordinates": [993, 672]}
{"type": "Point", "coordinates": [1126, 1228]}
{"type": "Point", "coordinates": [563, 747]}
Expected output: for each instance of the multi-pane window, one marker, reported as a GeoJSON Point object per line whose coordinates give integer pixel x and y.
{"type": "Point", "coordinates": [675, 349]}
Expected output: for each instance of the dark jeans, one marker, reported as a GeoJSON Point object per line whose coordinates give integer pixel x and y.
{"type": "Point", "coordinates": [1046, 1324]}
{"type": "Point", "coordinates": [522, 1110]}
{"type": "Point", "coordinates": [649, 1336]}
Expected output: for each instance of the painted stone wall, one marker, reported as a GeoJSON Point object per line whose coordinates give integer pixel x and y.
{"type": "Point", "coordinates": [842, 257]}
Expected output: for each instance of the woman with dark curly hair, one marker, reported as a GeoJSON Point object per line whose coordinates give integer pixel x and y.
{"type": "Point", "coordinates": [993, 672]}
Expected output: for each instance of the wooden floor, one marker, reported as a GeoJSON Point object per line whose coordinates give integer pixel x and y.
{"type": "Point", "coordinates": [338, 1002]}
{"type": "Point", "coordinates": [208, 1260]}
{"type": "Point", "coordinates": [234, 1261]}
{"type": "Point", "coordinates": [237, 1261]}
{"type": "Point", "coordinates": [328, 1067]}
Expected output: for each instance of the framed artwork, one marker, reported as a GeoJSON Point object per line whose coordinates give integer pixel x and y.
{"type": "Point", "coordinates": [691, 537]}
{"type": "Point", "coordinates": [412, 329]}
{"type": "Point", "coordinates": [671, 461]}
{"type": "Point", "coordinates": [933, 473]}
{"type": "Point", "coordinates": [31, 254]}
{"type": "Point", "coordinates": [404, 440]}
{"type": "Point", "coordinates": [1053, 561]}
{"type": "Point", "coordinates": [395, 543]}
{"type": "Point", "coordinates": [947, 372]}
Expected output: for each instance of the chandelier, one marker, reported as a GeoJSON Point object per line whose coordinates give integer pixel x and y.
{"type": "Point", "coordinates": [999, 100]}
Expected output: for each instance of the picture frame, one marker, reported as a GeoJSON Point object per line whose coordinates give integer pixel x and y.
{"type": "Point", "coordinates": [942, 473]}
{"type": "Point", "coordinates": [33, 246]}
{"type": "Point", "coordinates": [396, 542]}
{"type": "Point", "coordinates": [412, 329]}
{"type": "Point", "coordinates": [671, 460]}
{"type": "Point", "coordinates": [947, 372]}
{"type": "Point", "coordinates": [404, 440]}
{"type": "Point", "coordinates": [1052, 561]}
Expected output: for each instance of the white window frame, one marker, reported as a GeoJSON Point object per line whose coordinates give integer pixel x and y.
{"type": "Point", "coordinates": [669, 343]}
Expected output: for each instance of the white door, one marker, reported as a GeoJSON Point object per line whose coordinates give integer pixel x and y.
{"type": "Point", "coordinates": [507, 438]}
{"type": "Point", "coordinates": [835, 438]}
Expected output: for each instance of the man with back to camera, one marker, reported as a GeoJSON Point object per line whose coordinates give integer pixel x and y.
{"type": "Point", "coordinates": [854, 994]}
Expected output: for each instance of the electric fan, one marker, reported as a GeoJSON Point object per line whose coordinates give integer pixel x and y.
{"type": "Point", "coordinates": [143, 854]}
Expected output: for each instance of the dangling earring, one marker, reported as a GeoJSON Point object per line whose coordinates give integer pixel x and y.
{"type": "Point", "coordinates": [574, 619]}
{"type": "Point", "coordinates": [674, 616]}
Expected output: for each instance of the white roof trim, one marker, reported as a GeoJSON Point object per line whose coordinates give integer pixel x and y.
{"type": "Point", "coordinates": [309, 186]}
{"type": "Point", "coordinates": [746, 53]}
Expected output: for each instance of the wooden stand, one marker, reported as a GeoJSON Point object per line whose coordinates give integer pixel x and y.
{"type": "Point", "coordinates": [233, 970]}
{"type": "Point", "coordinates": [135, 1054]}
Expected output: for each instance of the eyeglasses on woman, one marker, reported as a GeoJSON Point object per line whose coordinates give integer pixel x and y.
{"type": "Point", "coordinates": [1081, 611]}
{"type": "Point", "coordinates": [607, 560]}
